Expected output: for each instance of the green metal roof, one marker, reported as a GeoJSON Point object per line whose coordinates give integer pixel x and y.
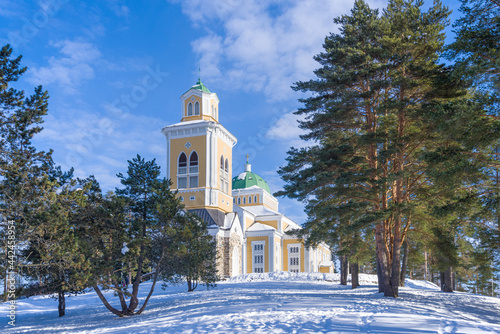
{"type": "Point", "coordinates": [199, 86]}
{"type": "Point", "coordinates": [249, 179]}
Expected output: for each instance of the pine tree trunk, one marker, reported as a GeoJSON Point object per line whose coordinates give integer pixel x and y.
{"type": "Point", "coordinates": [62, 303]}
{"type": "Point", "coordinates": [134, 302]}
{"type": "Point", "coordinates": [106, 303]}
{"type": "Point", "coordinates": [121, 297]}
{"type": "Point", "coordinates": [155, 278]}
{"type": "Point", "coordinates": [406, 252]}
{"type": "Point", "coordinates": [447, 280]}
{"type": "Point", "coordinates": [343, 269]}
{"type": "Point", "coordinates": [426, 274]}
{"type": "Point", "coordinates": [129, 273]}
{"type": "Point", "coordinates": [189, 283]}
{"type": "Point", "coordinates": [354, 275]}
{"type": "Point", "coordinates": [379, 277]}
{"type": "Point", "coordinates": [384, 270]}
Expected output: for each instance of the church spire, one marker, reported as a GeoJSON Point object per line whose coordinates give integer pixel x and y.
{"type": "Point", "coordinates": [199, 103]}
{"type": "Point", "coordinates": [248, 167]}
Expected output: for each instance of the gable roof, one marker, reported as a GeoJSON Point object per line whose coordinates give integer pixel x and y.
{"type": "Point", "coordinates": [212, 217]}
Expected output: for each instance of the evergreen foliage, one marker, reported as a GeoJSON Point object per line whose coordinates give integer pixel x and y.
{"type": "Point", "coordinates": [387, 124]}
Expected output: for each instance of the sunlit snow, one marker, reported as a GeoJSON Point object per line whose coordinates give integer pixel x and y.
{"type": "Point", "coordinates": [270, 303]}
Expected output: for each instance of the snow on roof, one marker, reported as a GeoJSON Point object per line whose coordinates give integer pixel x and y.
{"type": "Point", "coordinates": [326, 263]}
{"type": "Point", "coordinates": [260, 227]}
{"type": "Point", "coordinates": [242, 176]}
{"type": "Point", "coordinates": [186, 122]}
{"type": "Point", "coordinates": [228, 222]}
{"type": "Point", "coordinates": [292, 227]}
{"type": "Point", "coordinates": [260, 210]}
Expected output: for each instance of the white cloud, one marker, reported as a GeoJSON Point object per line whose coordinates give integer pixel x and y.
{"type": "Point", "coordinates": [69, 70]}
{"type": "Point", "coordinates": [262, 46]}
{"type": "Point", "coordinates": [10, 8]}
{"type": "Point", "coordinates": [98, 145]}
{"type": "Point", "coordinates": [286, 128]}
{"type": "Point", "coordinates": [211, 48]}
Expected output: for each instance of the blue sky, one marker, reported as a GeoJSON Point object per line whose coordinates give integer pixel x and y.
{"type": "Point", "coordinates": [115, 71]}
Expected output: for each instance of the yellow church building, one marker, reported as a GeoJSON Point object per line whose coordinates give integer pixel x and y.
{"type": "Point", "coordinates": [241, 211]}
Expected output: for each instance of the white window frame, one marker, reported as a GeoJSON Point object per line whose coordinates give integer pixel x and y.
{"type": "Point", "coordinates": [189, 174]}
{"type": "Point", "coordinates": [258, 267]}
{"type": "Point", "coordinates": [277, 255]}
{"type": "Point", "coordinates": [185, 181]}
{"type": "Point", "coordinates": [196, 108]}
{"type": "Point", "coordinates": [295, 268]}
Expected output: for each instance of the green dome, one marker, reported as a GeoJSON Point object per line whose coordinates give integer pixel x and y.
{"type": "Point", "coordinates": [248, 179]}
{"type": "Point", "coordinates": [199, 86]}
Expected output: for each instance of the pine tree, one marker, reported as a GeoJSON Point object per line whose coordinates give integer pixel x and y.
{"type": "Point", "coordinates": [197, 261]}
{"type": "Point", "coordinates": [476, 48]}
{"type": "Point", "coordinates": [53, 253]}
{"type": "Point", "coordinates": [138, 228]}
{"type": "Point", "coordinates": [371, 119]}
{"type": "Point", "coordinates": [28, 177]}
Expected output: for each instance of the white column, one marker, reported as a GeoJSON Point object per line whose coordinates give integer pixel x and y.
{"type": "Point", "coordinates": [271, 253]}
{"type": "Point", "coordinates": [244, 255]}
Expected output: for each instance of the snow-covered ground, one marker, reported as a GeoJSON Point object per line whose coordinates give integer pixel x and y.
{"type": "Point", "coordinates": [270, 303]}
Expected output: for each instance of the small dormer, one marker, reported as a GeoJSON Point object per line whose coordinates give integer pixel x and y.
{"type": "Point", "coordinates": [198, 103]}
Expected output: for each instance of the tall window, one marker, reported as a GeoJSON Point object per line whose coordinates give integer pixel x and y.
{"type": "Point", "coordinates": [196, 108]}
{"type": "Point", "coordinates": [244, 200]}
{"type": "Point", "coordinates": [294, 258]}
{"type": "Point", "coordinates": [249, 199]}
{"type": "Point", "coordinates": [182, 171]}
{"type": "Point", "coordinates": [258, 258]}
{"type": "Point", "coordinates": [239, 200]}
{"type": "Point", "coordinates": [193, 163]}
{"type": "Point", "coordinates": [213, 111]}
{"type": "Point", "coordinates": [255, 199]}
{"type": "Point", "coordinates": [185, 174]}
{"type": "Point", "coordinates": [193, 170]}
{"type": "Point", "coordinates": [224, 175]}
{"type": "Point", "coordinates": [190, 109]}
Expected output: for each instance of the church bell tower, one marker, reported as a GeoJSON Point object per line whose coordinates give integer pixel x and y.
{"type": "Point", "coordinates": [199, 152]}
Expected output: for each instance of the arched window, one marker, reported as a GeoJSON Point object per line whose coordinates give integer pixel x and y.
{"type": "Point", "coordinates": [190, 109]}
{"type": "Point", "coordinates": [193, 162]}
{"type": "Point", "coordinates": [226, 166]}
{"type": "Point", "coordinates": [182, 164]}
{"type": "Point", "coordinates": [244, 200]}
{"type": "Point", "coordinates": [249, 199]}
{"type": "Point", "coordinates": [222, 162]}
{"type": "Point", "coordinates": [234, 200]}
{"type": "Point", "coordinates": [196, 108]}
{"type": "Point", "coordinates": [239, 200]}
{"type": "Point", "coordinates": [182, 171]}
{"type": "Point", "coordinates": [255, 199]}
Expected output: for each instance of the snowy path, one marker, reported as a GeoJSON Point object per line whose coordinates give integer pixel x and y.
{"type": "Point", "coordinates": [272, 306]}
